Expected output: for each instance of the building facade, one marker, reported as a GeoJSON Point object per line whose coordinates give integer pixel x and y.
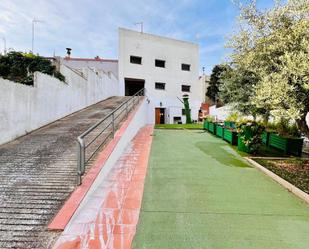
{"type": "Point", "coordinates": [166, 68]}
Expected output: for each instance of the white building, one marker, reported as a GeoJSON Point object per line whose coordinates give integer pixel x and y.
{"type": "Point", "coordinates": [167, 68]}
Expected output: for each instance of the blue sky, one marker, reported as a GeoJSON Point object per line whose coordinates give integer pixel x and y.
{"type": "Point", "coordinates": [89, 27]}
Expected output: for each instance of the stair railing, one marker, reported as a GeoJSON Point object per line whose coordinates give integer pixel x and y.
{"type": "Point", "coordinates": [93, 136]}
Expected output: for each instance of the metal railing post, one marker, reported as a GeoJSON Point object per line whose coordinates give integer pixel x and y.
{"type": "Point", "coordinates": [80, 160]}
{"type": "Point", "coordinates": [113, 124]}
{"type": "Point", "coordinates": [127, 112]}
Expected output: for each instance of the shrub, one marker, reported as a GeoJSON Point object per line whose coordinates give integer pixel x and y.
{"type": "Point", "coordinates": [251, 134]}
{"type": "Point", "coordinates": [284, 128]}
{"type": "Point", "coordinates": [210, 118]}
{"type": "Point", "coordinates": [19, 67]}
{"type": "Point", "coordinates": [233, 117]}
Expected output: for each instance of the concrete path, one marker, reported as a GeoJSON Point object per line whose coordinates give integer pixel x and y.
{"type": "Point", "coordinates": [38, 173]}
{"type": "Point", "coordinates": [200, 194]}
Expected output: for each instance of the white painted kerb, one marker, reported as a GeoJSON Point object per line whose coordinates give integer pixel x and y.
{"type": "Point", "coordinates": [296, 191]}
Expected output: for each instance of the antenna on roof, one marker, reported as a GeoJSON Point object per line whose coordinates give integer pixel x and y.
{"type": "Point", "coordinates": [141, 24]}
{"type": "Point", "coordinates": [4, 45]}
{"type": "Point", "coordinates": [34, 21]}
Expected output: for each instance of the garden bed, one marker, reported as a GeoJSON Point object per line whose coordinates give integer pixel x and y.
{"type": "Point", "coordinates": [230, 124]}
{"type": "Point", "coordinates": [212, 128]}
{"type": "Point", "coordinates": [286, 144]}
{"type": "Point", "coordinates": [219, 131]}
{"type": "Point", "coordinates": [230, 136]}
{"type": "Point", "coordinates": [206, 125]}
{"type": "Point", "coordinates": [295, 171]}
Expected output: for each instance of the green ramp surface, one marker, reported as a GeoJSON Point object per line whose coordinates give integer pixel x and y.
{"type": "Point", "coordinates": [199, 193]}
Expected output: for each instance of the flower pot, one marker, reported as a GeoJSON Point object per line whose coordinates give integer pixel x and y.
{"type": "Point", "coordinates": [230, 124]}
{"type": "Point", "coordinates": [205, 124]}
{"type": "Point", "coordinates": [212, 128]}
{"type": "Point", "coordinates": [219, 130]}
{"type": "Point", "coordinates": [289, 145]}
{"type": "Point", "coordinates": [265, 137]}
{"type": "Point", "coordinates": [230, 136]}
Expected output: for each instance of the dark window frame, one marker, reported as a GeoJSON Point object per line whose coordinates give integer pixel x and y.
{"type": "Point", "coordinates": [186, 67]}
{"type": "Point", "coordinates": [160, 83]}
{"type": "Point", "coordinates": [186, 90]}
{"type": "Point", "coordinates": [136, 59]}
{"type": "Point", "coordinates": [158, 63]}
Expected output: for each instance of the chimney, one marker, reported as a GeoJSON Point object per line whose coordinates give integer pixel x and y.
{"type": "Point", "coordinates": [69, 52]}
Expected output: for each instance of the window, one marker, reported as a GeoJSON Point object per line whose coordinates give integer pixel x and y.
{"type": "Point", "coordinates": [160, 86]}
{"type": "Point", "coordinates": [185, 88]}
{"type": "Point", "coordinates": [185, 67]}
{"type": "Point", "coordinates": [184, 112]}
{"type": "Point", "coordinates": [159, 63]}
{"type": "Point", "coordinates": [136, 59]}
{"type": "Point", "coordinates": [177, 120]}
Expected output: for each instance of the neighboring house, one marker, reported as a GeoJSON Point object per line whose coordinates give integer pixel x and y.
{"type": "Point", "coordinates": [96, 64]}
{"type": "Point", "coordinates": [106, 65]}
{"type": "Point", "coordinates": [166, 68]}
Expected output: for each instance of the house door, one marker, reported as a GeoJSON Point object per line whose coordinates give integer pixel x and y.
{"type": "Point", "coordinates": [160, 115]}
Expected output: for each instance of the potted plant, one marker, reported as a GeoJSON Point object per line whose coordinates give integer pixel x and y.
{"type": "Point", "coordinates": [230, 121]}
{"type": "Point", "coordinates": [249, 136]}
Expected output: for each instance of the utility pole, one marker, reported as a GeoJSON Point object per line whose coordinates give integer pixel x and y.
{"type": "Point", "coordinates": [142, 26]}
{"type": "Point", "coordinates": [34, 21]}
{"type": "Point", "coordinates": [4, 45]}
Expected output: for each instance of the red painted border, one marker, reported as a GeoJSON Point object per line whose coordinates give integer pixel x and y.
{"type": "Point", "coordinates": [114, 223]}
{"type": "Point", "coordinates": [64, 215]}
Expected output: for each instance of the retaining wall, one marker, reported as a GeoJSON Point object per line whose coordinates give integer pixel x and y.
{"type": "Point", "coordinates": [26, 108]}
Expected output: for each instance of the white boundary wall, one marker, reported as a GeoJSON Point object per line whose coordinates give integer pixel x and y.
{"type": "Point", "coordinates": [26, 108]}
{"type": "Point", "coordinates": [223, 112]}
{"type": "Point", "coordinates": [220, 113]}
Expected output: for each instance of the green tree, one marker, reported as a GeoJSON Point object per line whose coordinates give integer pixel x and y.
{"type": "Point", "coordinates": [214, 83]}
{"type": "Point", "coordinates": [237, 89]}
{"type": "Point", "coordinates": [274, 46]}
{"type": "Point", "coordinates": [19, 67]}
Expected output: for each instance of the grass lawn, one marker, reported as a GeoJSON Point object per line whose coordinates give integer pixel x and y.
{"type": "Point", "coordinates": [199, 193]}
{"type": "Point", "coordinates": [294, 170]}
{"type": "Point", "coordinates": [196, 126]}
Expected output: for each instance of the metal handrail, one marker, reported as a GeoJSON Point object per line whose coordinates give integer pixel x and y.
{"type": "Point", "coordinates": [82, 146]}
